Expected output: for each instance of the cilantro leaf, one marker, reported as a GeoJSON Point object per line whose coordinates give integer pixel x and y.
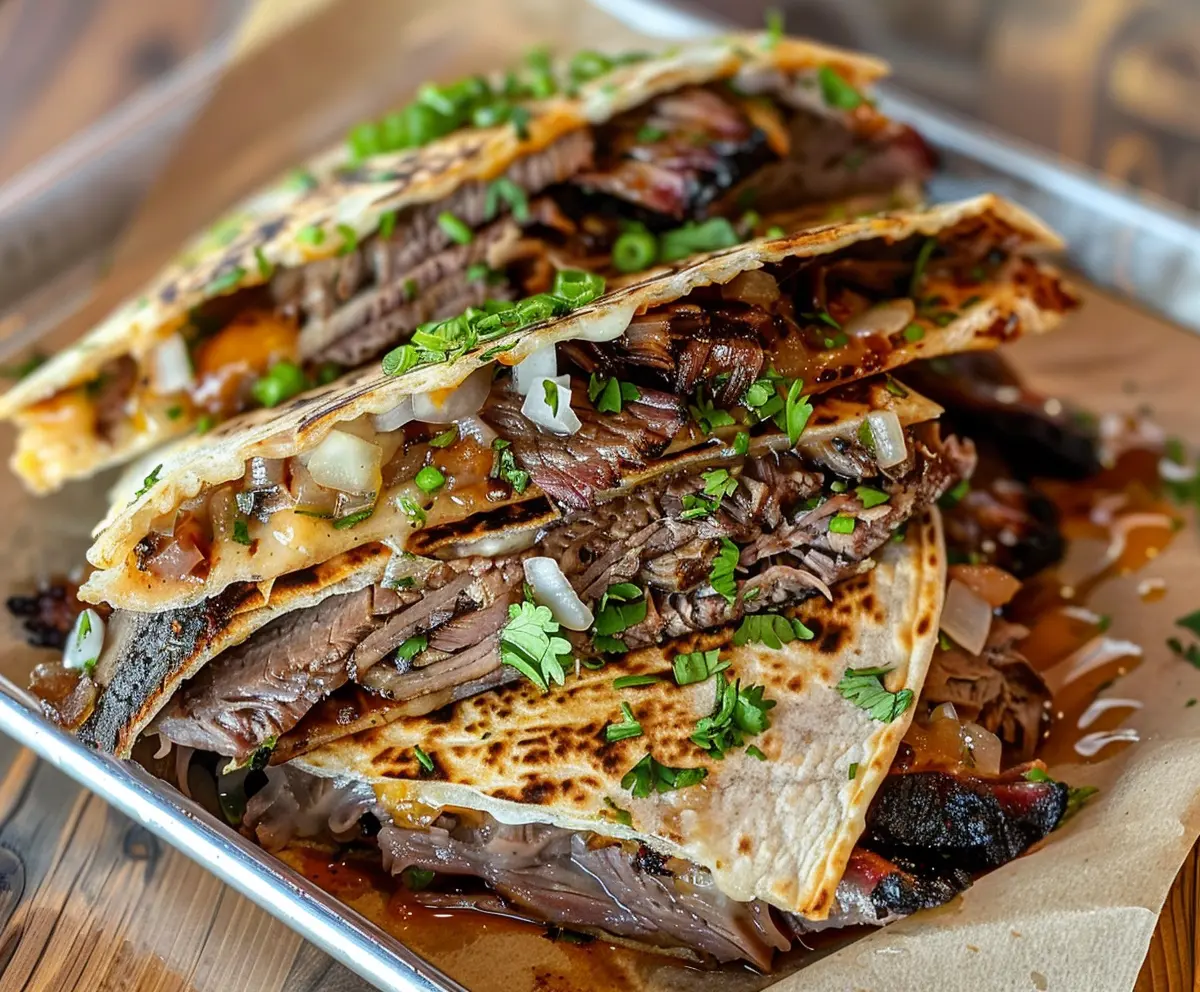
{"type": "Point", "coordinates": [627, 728]}
{"type": "Point", "coordinates": [698, 666]}
{"type": "Point", "coordinates": [528, 644]}
{"type": "Point", "coordinates": [864, 687]}
{"type": "Point", "coordinates": [609, 395]}
{"type": "Point", "coordinates": [649, 776]}
{"type": "Point", "coordinates": [505, 468]}
{"type": "Point", "coordinates": [736, 714]}
{"type": "Point", "coordinates": [721, 576]}
{"type": "Point", "coordinates": [771, 630]}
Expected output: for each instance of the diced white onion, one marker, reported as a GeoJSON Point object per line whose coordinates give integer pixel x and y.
{"type": "Point", "coordinates": [171, 366]}
{"type": "Point", "coordinates": [943, 711]}
{"type": "Point", "coordinates": [966, 618]}
{"type": "Point", "coordinates": [493, 546]}
{"type": "Point", "coordinates": [541, 364]}
{"type": "Point", "coordinates": [1174, 472]}
{"type": "Point", "coordinates": [86, 640]}
{"type": "Point", "coordinates": [755, 286]}
{"type": "Point", "coordinates": [541, 413]}
{"type": "Point", "coordinates": [446, 406]}
{"type": "Point", "coordinates": [551, 588]}
{"type": "Point", "coordinates": [883, 318]}
{"type": "Point", "coordinates": [346, 463]}
{"type": "Point", "coordinates": [985, 748]}
{"type": "Point", "coordinates": [395, 418]}
{"type": "Point", "coordinates": [888, 435]}
{"type": "Point", "coordinates": [606, 326]}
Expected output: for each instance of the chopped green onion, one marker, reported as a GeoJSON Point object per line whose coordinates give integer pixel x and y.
{"type": "Point", "coordinates": [429, 479]}
{"type": "Point", "coordinates": [625, 730]}
{"type": "Point", "coordinates": [505, 190]}
{"type": "Point", "coordinates": [456, 230]}
{"type": "Point", "coordinates": [353, 519]}
{"type": "Point", "coordinates": [741, 443]}
{"type": "Point", "coordinates": [842, 524]}
{"type": "Point", "coordinates": [634, 251]}
{"type": "Point", "coordinates": [754, 752]}
{"type": "Point", "coordinates": [774, 28]}
{"type": "Point", "coordinates": [918, 272]}
{"type": "Point", "coordinates": [648, 134]}
{"type": "Point", "coordinates": [634, 681]}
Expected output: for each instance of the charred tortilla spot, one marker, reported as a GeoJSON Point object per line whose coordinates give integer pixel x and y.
{"type": "Point", "coordinates": [831, 640]}
{"type": "Point", "coordinates": [743, 844]}
{"type": "Point", "coordinates": [923, 626]}
{"type": "Point", "coordinates": [537, 791]}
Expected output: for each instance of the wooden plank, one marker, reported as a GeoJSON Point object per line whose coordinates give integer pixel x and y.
{"type": "Point", "coordinates": [92, 901]}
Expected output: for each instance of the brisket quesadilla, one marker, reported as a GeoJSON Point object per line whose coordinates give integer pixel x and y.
{"type": "Point", "coordinates": [719, 800]}
{"type": "Point", "coordinates": [475, 191]}
{"type": "Point", "coordinates": [362, 552]}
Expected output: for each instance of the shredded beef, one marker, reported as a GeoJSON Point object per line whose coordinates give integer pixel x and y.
{"type": "Point", "coordinates": [997, 689]}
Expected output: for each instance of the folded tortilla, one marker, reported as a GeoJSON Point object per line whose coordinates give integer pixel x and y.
{"type": "Point", "coordinates": [343, 257]}
{"type": "Point", "coordinates": [779, 829]}
{"type": "Point", "coordinates": [150, 657]}
{"type": "Point", "coordinates": [1006, 295]}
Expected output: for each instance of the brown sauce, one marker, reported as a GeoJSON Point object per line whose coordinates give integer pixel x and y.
{"type": "Point", "coordinates": [1068, 644]}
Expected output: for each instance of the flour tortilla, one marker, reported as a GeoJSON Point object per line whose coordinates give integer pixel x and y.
{"type": "Point", "coordinates": [1005, 310]}
{"type": "Point", "coordinates": [331, 193]}
{"type": "Point", "coordinates": [780, 830]}
{"type": "Point", "coordinates": [148, 656]}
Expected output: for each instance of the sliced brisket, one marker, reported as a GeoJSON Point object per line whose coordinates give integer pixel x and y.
{"type": "Point", "coordinates": [575, 470]}
{"type": "Point", "coordinates": [261, 688]}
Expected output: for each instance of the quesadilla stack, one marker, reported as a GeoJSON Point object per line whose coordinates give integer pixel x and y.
{"type": "Point", "coordinates": [557, 595]}
{"type": "Point", "coordinates": [477, 190]}
{"type": "Point", "coordinates": [740, 395]}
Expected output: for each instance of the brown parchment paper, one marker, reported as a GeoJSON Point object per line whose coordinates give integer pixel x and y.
{"type": "Point", "coordinates": [1075, 915]}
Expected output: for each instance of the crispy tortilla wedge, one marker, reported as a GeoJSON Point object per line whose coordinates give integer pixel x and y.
{"type": "Point", "coordinates": [235, 272]}
{"type": "Point", "coordinates": [1020, 296]}
{"type": "Point", "coordinates": [148, 657]}
{"type": "Point", "coordinates": [779, 829]}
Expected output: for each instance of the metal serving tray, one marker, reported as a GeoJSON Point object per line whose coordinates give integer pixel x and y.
{"type": "Point", "coordinates": [1144, 251]}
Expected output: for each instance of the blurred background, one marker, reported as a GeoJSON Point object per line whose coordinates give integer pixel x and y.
{"type": "Point", "coordinates": [96, 94]}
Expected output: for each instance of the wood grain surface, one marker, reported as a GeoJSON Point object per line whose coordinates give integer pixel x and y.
{"type": "Point", "coordinates": [90, 900]}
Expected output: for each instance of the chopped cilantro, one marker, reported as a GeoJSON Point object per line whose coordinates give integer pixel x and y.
{"type": "Point", "coordinates": [853, 770]}
{"type": "Point", "coordinates": [864, 687]}
{"type": "Point", "coordinates": [417, 879]}
{"type": "Point", "coordinates": [626, 729]}
{"type": "Point", "coordinates": [836, 91]}
{"type": "Point", "coordinates": [870, 497]}
{"type": "Point", "coordinates": [649, 776]}
{"type": "Point", "coordinates": [444, 439]}
{"type": "Point", "coordinates": [529, 643]}
{"type": "Point", "coordinates": [953, 496]}
{"type": "Point", "coordinates": [741, 443]}
{"type": "Point", "coordinates": [609, 395]}
{"type": "Point", "coordinates": [922, 260]}
{"type": "Point", "coordinates": [699, 666]}
{"type": "Point", "coordinates": [771, 630]}
{"type": "Point", "coordinates": [635, 681]}
{"type": "Point", "coordinates": [754, 752]}
{"type": "Point", "coordinates": [412, 647]}
{"type": "Point", "coordinates": [721, 576]}
{"type": "Point", "coordinates": [505, 468]}
{"type": "Point", "coordinates": [149, 482]}
{"type": "Point", "coordinates": [842, 524]}
{"type": "Point", "coordinates": [737, 713]}
{"type": "Point", "coordinates": [423, 760]}
{"type": "Point", "coordinates": [241, 531]}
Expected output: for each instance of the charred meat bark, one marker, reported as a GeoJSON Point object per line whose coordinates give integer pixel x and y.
{"type": "Point", "coordinates": [972, 823]}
